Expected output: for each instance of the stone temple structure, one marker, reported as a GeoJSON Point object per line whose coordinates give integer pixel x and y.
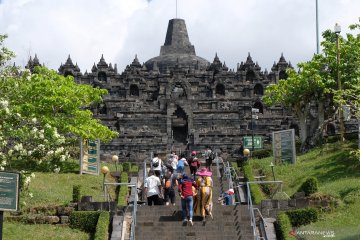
{"type": "Point", "coordinates": [178, 100]}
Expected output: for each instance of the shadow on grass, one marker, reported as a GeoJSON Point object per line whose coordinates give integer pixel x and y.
{"type": "Point", "coordinates": [355, 237]}
{"type": "Point", "coordinates": [338, 166]}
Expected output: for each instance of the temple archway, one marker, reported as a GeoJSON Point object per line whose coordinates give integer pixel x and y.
{"type": "Point", "coordinates": [179, 126]}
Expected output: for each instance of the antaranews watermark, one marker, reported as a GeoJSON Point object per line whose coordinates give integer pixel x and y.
{"type": "Point", "coordinates": [323, 233]}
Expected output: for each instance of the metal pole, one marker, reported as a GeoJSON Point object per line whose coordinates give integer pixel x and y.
{"type": "Point", "coordinates": [273, 173]}
{"type": "Point", "coordinates": [317, 29]}
{"type": "Point", "coordinates": [252, 133]}
{"type": "Point", "coordinates": [1, 223]}
{"type": "Point", "coordinates": [339, 86]}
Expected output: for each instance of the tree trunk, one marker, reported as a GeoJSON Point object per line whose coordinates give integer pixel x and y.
{"type": "Point", "coordinates": [321, 113]}
{"type": "Point", "coordinates": [303, 127]}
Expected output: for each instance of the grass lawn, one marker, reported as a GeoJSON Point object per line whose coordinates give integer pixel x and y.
{"type": "Point", "coordinates": [55, 189]}
{"type": "Point", "coordinates": [16, 231]}
{"type": "Point", "coordinates": [338, 175]}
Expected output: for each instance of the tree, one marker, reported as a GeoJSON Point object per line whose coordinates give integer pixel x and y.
{"type": "Point", "coordinates": [40, 111]}
{"type": "Point", "coordinates": [297, 91]}
{"type": "Point", "coordinates": [317, 81]}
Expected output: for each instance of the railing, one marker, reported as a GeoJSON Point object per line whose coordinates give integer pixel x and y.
{"type": "Point", "coordinates": [252, 209]}
{"type": "Point", "coordinates": [228, 174]}
{"type": "Point", "coordinates": [133, 222]}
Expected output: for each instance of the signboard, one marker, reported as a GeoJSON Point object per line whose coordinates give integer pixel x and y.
{"type": "Point", "coordinates": [90, 156]}
{"type": "Point", "coordinates": [284, 146]}
{"type": "Point", "coordinates": [258, 142]}
{"type": "Point", "coordinates": [9, 191]}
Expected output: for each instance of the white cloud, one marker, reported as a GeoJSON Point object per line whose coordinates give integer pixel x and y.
{"type": "Point", "coordinates": [119, 29]}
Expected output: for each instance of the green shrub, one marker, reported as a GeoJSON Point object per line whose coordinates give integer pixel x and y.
{"type": "Point", "coordinates": [255, 191]}
{"type": "Point", "coordinates": [126, 166]}
{"type": "Point", "coordinates": [76, 194]}
{"type": "Point", "coordinates": [262, 153]}
{"type": "Point", "coordinates": [301, 217]}
{"type": "Point", "coordinates": [84, 220]}
{"type": "Point", "coordinates": [123, 190]}
{"type": "Point", "coordinates": [134, 169]}
{"type": "Point", "coordinates": [352, 196]}
{"type": "Point", "coordinates": [102, 226]}
{"type": "Point", "coordinates": [283, 227]}
{"type": "Point", "coordinates": [310, 186]}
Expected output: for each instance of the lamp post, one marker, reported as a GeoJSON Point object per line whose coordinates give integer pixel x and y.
{"type": "Point", "coordinates": [246, 153]}
{"type": "Point", "coordinates": [104, 170]}
{"type": "Point", "coordinates": [253, 116]}
{"type": "Point", "coordinates": [272, 169]}
{"type": "Point", "coordinates": [115, 159]}
{"type": "Point", "coordinates": [337, 30]}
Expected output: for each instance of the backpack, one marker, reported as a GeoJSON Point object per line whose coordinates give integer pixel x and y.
{"type": "Point", "coordinates": [190, 160]}
{"type": "Point", "coordinates": [194, 162]}
{"type": "Point", "coordinates": [212, 156]}
{"type": "Point", "coordinates": [156, 163]}
{"type": "Point", "coordinates": [168, 183]}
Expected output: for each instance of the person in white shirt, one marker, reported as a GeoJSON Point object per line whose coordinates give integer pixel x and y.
{"type": "Point", "coordinates": [152, 186]}
{"type": "Point", "coordinates": [156, 165]}
{"type": "Point", "coordinates": [174, 160]}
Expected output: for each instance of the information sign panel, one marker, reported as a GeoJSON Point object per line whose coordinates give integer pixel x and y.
{"type": "Point", "coordinates": [9, 191]}
{"type": "Point", "coordinates": [284, 146]}
{"type": "Point", "coordinates": [90, 157]}
{"type": "Point", "coordinates": [258, 142]}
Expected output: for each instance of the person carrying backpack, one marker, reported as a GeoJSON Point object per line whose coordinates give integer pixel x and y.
{"type": "Point", "coordinates": [170, 183]}
{"type": "Point", "coordinates": [156, 165]}
{"type": "Point", "coordinates": [209, 157]}
{"type": "Point", "coordinates": [186, 193]}
{"type": "Point", "coordinates": [181, 164]}
{"type": "Point", "coordinates": [194, 163]}
{"type": "Point", "coordinates": [152, 185]}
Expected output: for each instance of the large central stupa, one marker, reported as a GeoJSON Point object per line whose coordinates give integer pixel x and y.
{"type": "Point", "coordinates": [177, 50]}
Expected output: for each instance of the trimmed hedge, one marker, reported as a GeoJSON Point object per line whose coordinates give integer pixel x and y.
{"type": "Point", "coordinates": [301, 217]}
{"type": "Point", "coordinates": [283, 227]}
{"type": "Point", "coordinates": [126, 166]}
{"type": "Point", "coordinates": [255, 191]}
{"type": "Point", "coordinates": [102, 226]}
{"type": "Point", "coordinates": [134, 169]}
{"type": "Point", "coordinates": [262, 153]}
{"type": "Point", "coordinates": [84, 220]}
{"type": "Point", "coordinates": [310, 186]}
{"type": "Point", "coordinates": [76, 194]}
{"type": "Point", "coordinates": [124, 190]}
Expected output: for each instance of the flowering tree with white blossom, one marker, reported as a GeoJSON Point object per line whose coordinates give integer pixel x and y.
{"type": "Point", "coordinates": [40, 113]}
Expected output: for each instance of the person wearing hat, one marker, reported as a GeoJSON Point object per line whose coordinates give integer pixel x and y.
{"type": "Point", "coordinates": [186, 193]}
{"type": "Point", "coordinates": [194, 163]}
{"type": "Point", "coordinates": [204, 203]}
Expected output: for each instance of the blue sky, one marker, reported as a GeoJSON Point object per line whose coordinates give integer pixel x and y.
{"type": "Point", "coordinates": [119, 29]}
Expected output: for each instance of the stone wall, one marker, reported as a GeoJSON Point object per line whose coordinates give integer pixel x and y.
{"type": "Point", "coordinates": [270, 208]}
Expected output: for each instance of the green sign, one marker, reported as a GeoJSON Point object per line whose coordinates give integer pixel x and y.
{"type": "Point", "coordinates": [258, 142]}
{"type": "Point", "coordinates": [9, 191]}
{"type": "Point", "coordinates": [284, 146]}
{"type": "Point", "coordinates": [90, 157]}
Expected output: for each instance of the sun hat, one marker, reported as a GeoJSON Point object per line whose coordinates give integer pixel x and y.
{"type": "Point", "coordinates": [204, 172]}
{"type": "Point", "coordinates": [193, 153]}
{"type": "Point", "coordinates": [231, 191]}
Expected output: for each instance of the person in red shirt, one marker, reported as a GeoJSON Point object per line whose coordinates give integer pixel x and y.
{"type": "Point", "coordinates": [186, 193]}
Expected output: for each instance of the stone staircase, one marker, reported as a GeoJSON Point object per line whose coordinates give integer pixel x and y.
{"type": "Point", "coordinates": [164, 222]}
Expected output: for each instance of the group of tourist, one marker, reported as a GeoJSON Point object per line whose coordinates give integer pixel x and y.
{"type": "Point", "coordinates": [171, 176]}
